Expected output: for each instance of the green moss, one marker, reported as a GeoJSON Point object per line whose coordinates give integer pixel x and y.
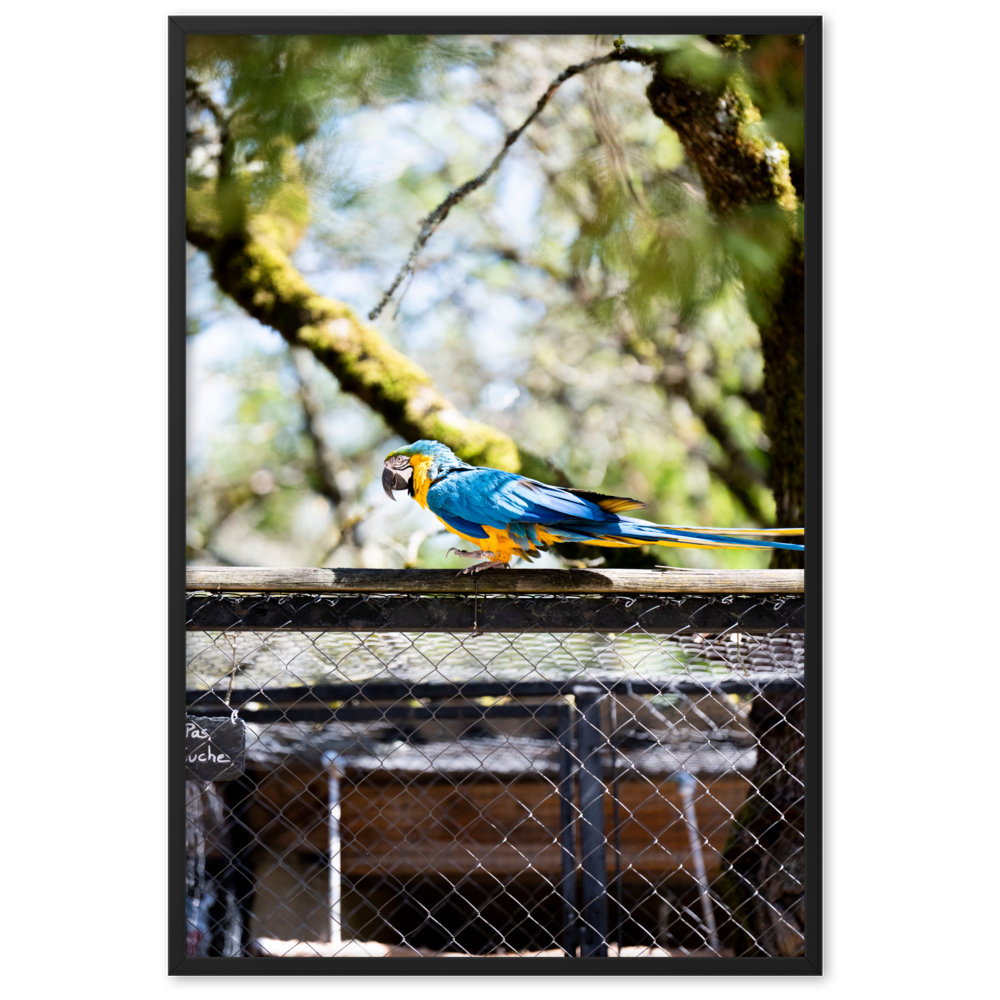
{"type": "Point", "coordinates": [732, 43]}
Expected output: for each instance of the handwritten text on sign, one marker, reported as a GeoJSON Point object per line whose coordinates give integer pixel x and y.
{"type": "Point", "coordinates": [215, 749]}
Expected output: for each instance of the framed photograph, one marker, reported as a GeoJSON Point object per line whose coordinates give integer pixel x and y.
{"type": "Point", "coordinates": [495, 350]}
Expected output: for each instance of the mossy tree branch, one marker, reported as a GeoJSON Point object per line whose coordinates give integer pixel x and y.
{"type": "Point", "coordinates": [251, 264]}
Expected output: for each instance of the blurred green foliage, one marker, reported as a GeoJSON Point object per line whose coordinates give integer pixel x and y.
{"type": "Point", "coordinates": [585, 302]}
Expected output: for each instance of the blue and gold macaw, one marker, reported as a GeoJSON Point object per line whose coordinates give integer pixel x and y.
{"type": "Point", "coordinates": [507, 515]}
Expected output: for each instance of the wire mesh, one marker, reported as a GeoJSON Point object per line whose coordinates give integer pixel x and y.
{"type": "Point", "coordinates": [580, 776]}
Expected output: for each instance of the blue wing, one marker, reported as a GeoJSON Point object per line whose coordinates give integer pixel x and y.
{"type": "Point", "coordinates": [495, 498]}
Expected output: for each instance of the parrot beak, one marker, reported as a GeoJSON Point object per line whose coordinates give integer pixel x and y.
{"type": "Point", "coordinates": [396, 475]}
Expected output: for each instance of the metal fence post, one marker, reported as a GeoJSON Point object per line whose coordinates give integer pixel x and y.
{"type": "Point", "coordinates": [565, 719]}
{"type": "Point", "coordinates": [686, 783]}
{"type": "Point", "coordinates": [332, 762]}
{"type": "Point", "coordinates": [590, 742]}
{"type": "Point", "coordinates": [617, 818]}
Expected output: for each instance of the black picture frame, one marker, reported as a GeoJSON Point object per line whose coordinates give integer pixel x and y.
{"type": "Point", "coordinates": [177, 29]}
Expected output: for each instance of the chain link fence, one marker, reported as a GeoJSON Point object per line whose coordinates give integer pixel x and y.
{"type": "Point", "coordinates": [465, 775]}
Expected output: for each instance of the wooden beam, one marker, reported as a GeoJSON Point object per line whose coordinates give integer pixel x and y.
{"type": "Point", "coordinates": [250, 579]}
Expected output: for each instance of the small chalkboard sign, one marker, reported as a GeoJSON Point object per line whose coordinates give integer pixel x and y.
{"type": "Point", "coordinates": [215, 749]}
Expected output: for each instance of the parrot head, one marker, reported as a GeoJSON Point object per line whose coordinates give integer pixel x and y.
{"type": "Point", "coordinates": [434, 458]}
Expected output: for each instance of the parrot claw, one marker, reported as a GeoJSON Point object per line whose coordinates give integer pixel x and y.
{"type": "Point", "coordinates": [469, 555]}
{"type": "Point", "coordinates": [479, 567]}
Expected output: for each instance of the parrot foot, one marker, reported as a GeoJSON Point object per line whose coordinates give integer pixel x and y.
{"type": "Point", "coordinates": [469, 555]}
{"type": "Point", "coordinates": [479, 567]}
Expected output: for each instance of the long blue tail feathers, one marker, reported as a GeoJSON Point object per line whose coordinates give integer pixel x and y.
{"type": "Point", "coordinates": [644, 532]}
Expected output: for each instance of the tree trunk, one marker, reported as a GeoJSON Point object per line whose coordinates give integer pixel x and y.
{"type": "Point", "coordinates": [763, 865]}
{"type": "Point", "coordinates": [747, 185]}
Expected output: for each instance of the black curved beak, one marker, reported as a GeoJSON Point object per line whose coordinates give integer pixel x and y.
{"type": "Point", "coordinates": [395, 479]}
